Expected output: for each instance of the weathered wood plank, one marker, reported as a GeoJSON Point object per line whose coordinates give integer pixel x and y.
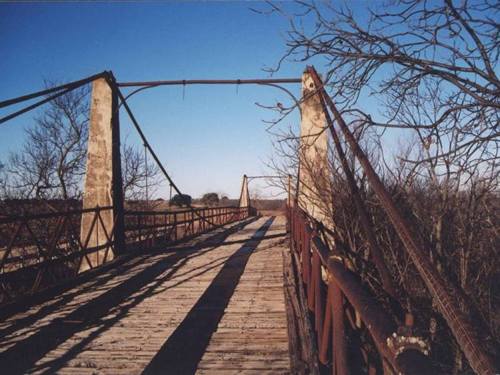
{"type": "Point", "coordinates": [252, 336]}
{"type": "Point", "coordinates": [119, 321]}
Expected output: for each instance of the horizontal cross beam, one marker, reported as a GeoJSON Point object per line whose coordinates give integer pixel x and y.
{"type": "Point", "coordinates": [211, 82]}
{"type": "Point", "coordinates": [253, 177]}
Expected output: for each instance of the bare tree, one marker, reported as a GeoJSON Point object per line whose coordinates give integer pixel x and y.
{"type": "Point", "coordinates": [141, 178]}
{"type": "Point", "coordinates": [432, 68]}
{"type": "Point", "coordinates": [51, 162]}
{"type": "Point", "coordinates": [401, 52]}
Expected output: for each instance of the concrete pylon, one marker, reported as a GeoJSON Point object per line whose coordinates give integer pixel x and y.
{"type": "Point", "coordinates": [313, 154]}
{"type": "Point", "coordinates": [244, 195]}
{"type": "Point", "coordinates": [103, 177]}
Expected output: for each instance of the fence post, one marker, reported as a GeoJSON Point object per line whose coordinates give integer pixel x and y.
{"type": "Point", "coordinates": [175, 226]}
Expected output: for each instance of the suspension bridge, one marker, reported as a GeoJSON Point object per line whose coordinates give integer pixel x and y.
{"type": "Point", "coordinates": [217, 290]}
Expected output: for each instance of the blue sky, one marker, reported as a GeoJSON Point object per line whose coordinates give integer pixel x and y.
{"type": "Point", "coordinates": [206, 136]}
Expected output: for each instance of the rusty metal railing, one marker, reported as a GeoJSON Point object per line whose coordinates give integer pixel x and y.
{"type": "Point", "coordinates": [336, 296]}
{"type": "Point", "coordinates": [444, 293]}
{"type": "Point", "coordinates": [40, 250]}
{"type": "Point", "coordinates": [148, 228]}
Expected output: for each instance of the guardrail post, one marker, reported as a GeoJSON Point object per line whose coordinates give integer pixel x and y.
{"type": "Point", "coordinates": [175, 226]}
{"type": "Point", "coordinates": [338, 338]}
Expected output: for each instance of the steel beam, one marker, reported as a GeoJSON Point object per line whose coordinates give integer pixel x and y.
{"type": "Point", "coordinates": [182, 82]}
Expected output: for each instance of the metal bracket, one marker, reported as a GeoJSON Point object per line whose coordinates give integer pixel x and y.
{"type": "Point", "coordinates": [400, 343]}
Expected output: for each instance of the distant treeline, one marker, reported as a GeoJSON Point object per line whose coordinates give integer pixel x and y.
{"type": "Point", "coordinates": [10, 207]}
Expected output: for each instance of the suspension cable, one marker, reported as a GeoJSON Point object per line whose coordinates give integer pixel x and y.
{"type": "Point", "coordinates": [146, 174]}
{"type": "Point", "coordinates": [442, 292]}
{"type": "Point", "coordinates": [153, 154]}
{"type": "Point", "coordinates": [184, 82]}
{"type": "Point", "coordinates": [366, 224]}
{"type": "Point", "coordinates": [60, 90]}
{"type": "Point", "coordinates": [144, 140]}
{"type": "Point", "coordinates": [68, 85]}
{"type": "Point", "coordinates": [255, 177]}
{"type": "Point", "coordinates": [33, 106]}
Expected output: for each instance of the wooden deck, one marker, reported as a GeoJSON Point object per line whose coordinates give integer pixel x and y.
{"type": "Point", "coordinates": [212, 306]}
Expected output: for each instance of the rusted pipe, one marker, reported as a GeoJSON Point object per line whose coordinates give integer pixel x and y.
{"type": "Point", "coordinates": [146, 143]}
{"type": "Point", "coordinates": [183, 82]}
{"type": "Point", "coordinates": [380, 325]}
{"type": "Point", "coordinates": [376, 253]}
{"type": "Point", "coordinates": [254, 177]}
{"type": "Point", "coordinates": [338, 339]}
{"type": "Point", "coordinates": [442, 291]}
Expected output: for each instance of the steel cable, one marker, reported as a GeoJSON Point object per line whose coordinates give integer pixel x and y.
{"type": "Point", "coordinates": [153, 154]}
{"type": "Point", "coordinates": [60, 90]}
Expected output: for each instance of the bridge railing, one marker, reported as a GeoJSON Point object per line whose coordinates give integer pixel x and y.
{"type": "Point", "coordinates": [39, 250]}
{"type": "Point", "coordinates": [148, 228]}
{"type": "Point", "coordinates": [342, 306]}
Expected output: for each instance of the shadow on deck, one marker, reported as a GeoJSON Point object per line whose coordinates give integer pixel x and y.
{"type": "Point", "coordinates": [44, 334]}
